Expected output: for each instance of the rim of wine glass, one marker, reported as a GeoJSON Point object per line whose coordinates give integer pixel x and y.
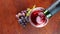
{"type": "Point", "coordinates": [38, 26]}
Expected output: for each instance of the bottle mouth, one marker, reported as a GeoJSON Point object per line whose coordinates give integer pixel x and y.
{"type": "Point", "coordinates": [37, 18]}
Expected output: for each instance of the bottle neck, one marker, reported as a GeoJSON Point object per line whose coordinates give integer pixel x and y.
{"type": "Point", "coordinates": [47, 13]}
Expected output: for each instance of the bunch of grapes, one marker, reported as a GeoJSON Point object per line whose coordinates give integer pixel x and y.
{"type": "Point", "coordinates": [22, 18]}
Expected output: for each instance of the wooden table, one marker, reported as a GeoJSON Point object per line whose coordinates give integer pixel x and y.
{"type": "Point", "coordinates": [9, 23]}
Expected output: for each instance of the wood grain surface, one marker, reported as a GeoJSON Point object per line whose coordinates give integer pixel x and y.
{"type": "Point", "coordinates": [9, 23]}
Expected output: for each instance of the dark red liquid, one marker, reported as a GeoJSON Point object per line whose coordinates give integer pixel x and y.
{"type": "Point", "coordinates": [35, 14]}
